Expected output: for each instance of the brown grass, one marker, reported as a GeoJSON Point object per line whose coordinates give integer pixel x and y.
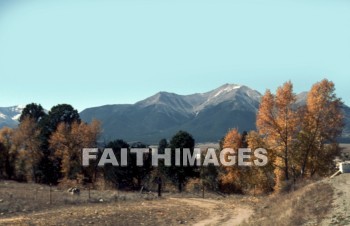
{"type": "Point", "coordinates": [29, 204]}
{"type": "Point", "coordinates": [307, 205]}
{"type": "Point", "coordinates": [18, 198]}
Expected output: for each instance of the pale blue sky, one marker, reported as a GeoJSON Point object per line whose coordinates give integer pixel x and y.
{"type": "Point", "coordinates": [91, 53]}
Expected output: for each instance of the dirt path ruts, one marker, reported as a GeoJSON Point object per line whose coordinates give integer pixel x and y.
{"type": "Point", "coordinates": [340, 214]}
{"type": "Point", "coordinates": [219, 213]}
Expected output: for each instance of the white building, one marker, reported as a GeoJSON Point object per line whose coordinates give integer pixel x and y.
{"type": "Point", "coordinates": [344, 167]}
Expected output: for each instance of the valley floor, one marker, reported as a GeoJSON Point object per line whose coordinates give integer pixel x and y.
{"type": "Point", "coordinates": [28, 204]}
{"type": "Point", "coordinates": [325, 202]}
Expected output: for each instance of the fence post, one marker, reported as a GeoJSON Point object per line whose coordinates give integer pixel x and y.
{"type": "Point", "coordinates": [203, 191]}
{"type": "Point", "coordinates": [50, 195]}
{"type": "Point", "coordinates": [36, 194]}
{"type": "Point", "coordinates": [89, 193]}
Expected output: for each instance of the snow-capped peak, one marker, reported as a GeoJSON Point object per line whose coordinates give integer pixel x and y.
{"type": "Point", "coordinates": [229, 92]}
{"type": "Point", "coordinates": [3, 116]}
{"type": "Point", "coordinates": [9, 116]}
{"type": "Point", "coordinates": [227, 89]}
{"type": "Point", "coordinates": [16, 117]}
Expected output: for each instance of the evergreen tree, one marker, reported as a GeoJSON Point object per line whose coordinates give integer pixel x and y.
{"type": "Point", "coordinates": [120, 176]}
{"type": "Point", "coordinates": [50, 165]}
{"type": "Point", "coordinates": [180, 174]}
{"type": "Point", "coordinates": [34, 111]}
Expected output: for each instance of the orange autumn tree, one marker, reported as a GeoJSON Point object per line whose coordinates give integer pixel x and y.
{"type": "Point", "coordinates": [262, 178]}
{"type": "Point", "coordinates": [231, 179]}
{"type": "Point", "coordinates": [277, 121]}
{"type": "Point", "coordinates": [243, 179]}
{"type": "Point", "coordinates": [302, 140]}
{"type": "Point", "coordinates": [232, 139]}
{"type": "Point", "coordinates": [68, 141]}
{"type": "Point", "coordinates": [7, 153]}
{"type": "Point", "coordinates": [27, 143]}
{"type": "Point", "coordinates": [321, 125]}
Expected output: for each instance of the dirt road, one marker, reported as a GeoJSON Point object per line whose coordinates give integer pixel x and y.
{"type": "Point", "coordinates": [219, 213]}
{"type": "Point", "coordinates": [340, 214]}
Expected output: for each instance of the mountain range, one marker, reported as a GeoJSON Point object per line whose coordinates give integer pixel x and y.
{"type": "Point", "coordinates": [207, 116]}
{"type": "Point", "coordinates": [9, 115]}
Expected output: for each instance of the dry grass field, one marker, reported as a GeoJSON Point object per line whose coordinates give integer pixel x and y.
{"type": "Point", "coordinates": [320, 203]}
{"type": "Point", "coordinates": [324, 202]}
{"type": "Point", "coordinates": [306, 206]}
{"type": "Point", "coordinates": [29, 204]}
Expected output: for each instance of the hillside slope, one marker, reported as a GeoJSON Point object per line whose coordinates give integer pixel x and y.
{"type": "Point", "coordinates": [208, 116]}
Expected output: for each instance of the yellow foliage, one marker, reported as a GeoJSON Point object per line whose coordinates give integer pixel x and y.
{"type": "Point", "coordinates": [68, 141]}
{"type": "Point", "coordinates": [232, 139]}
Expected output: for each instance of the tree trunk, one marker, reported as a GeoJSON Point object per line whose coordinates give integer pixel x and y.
{"type": "Point", "coordinates": [180, 186]}
{"type": "Point", "coordinates": [286, 164]}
